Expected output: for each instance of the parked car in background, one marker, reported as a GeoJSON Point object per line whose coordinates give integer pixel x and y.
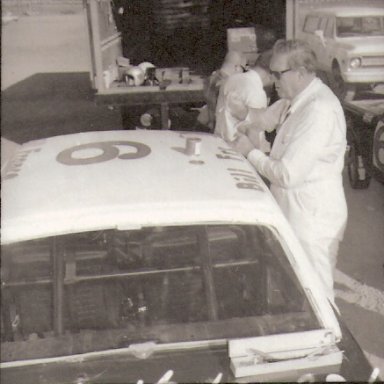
{"type": "Point", "coordinates": [140, 255]}
{"type": "Point", "coordinates": [349, 45]}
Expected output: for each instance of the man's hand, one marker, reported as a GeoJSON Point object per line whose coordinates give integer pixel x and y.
{"type": "Point", "coordinates": [264, 119]}
{"type": "Point", "coordinates": [243, 145]}
{"type": "Point", "coordinates": [244, 127]}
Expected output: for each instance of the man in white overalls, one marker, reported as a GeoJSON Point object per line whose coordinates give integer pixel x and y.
{"type": "Point", "coordinates": [307, 158]}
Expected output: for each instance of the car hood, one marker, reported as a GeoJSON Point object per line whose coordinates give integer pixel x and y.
{"type": "Point", "coordinates": [202, 365]}
{"type": "Point", "coordinates": [191, 366]}
{"type": "Point", "coordinates": [364, 45]}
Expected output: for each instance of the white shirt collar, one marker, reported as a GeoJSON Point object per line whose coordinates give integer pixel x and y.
{"type": "Point", "coordinates": [305, 93]}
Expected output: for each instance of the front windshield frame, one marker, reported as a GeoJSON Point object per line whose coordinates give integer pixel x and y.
{"type": "Point", "coordinates": [279, 312]}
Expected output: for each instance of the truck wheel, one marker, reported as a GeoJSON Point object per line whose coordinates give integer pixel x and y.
{"type": "Point", "coordinates": [378, 151]}
{"type": "Point", "coordinates": [349, 92]}
{"type": "Point", "coordinates": [357, 172]}
{"type": "Point", "coordinates": [343, 90]}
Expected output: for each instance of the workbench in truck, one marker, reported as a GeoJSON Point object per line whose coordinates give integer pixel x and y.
{"type": "Point", "coordinates": [120, 81]}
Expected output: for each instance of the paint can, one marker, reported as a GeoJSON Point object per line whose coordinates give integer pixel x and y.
{"type": "Point", "coordinates": [193, 146]}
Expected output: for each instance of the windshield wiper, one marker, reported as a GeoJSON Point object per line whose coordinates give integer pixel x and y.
{"type": "Point", "coordinates": [263, 357]}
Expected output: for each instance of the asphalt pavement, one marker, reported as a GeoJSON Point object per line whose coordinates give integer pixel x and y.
{"type": "Point", "coordinates": [46, 91]}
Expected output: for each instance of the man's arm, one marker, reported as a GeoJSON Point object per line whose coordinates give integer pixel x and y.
{"type": "Point", "coordinates": [264, 119]}
{"type": "Point", "coordinates": [311, 137]}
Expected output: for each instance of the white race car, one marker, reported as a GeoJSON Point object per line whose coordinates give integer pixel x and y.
{"type": "Point", "coordinates": [149, 256]}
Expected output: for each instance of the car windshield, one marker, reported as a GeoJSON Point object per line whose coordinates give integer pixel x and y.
{"type": "Point", "coordinates": [360, 26]}
{"type": "Point", "coordinates": [160, 284]}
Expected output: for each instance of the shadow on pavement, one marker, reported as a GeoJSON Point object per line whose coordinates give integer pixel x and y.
{"type": "Point", "coordinates": [50, 104]}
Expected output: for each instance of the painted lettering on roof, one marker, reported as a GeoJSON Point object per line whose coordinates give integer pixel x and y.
{"type": "Point", "coordinates": [109, 151]}
{"type": "Point", "coordinates": [17, 163]}
{"type": "Point", "coordinates": [244, 178]}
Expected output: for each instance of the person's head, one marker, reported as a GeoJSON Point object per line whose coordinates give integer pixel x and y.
{"type": "Point", "coordinates": [234, 62]}
{"type": "Point", "coordinates": [261, 66]}
{"type": "Point", "coordinates": [293, 66]}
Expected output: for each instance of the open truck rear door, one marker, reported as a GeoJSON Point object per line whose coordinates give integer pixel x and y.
{"type": "Point", "coordinates": [105, 41]}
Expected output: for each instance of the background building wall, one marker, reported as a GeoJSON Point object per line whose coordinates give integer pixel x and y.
{"type": "Point", "coordinates": [27, 7]}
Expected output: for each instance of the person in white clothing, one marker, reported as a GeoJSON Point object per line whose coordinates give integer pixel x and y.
{"type": "Point", "coordinates": [307, 157]}
{"type": "Point", "coordinates": [234, 62]}
{"type": "Point", "coordinates": [240, 93]}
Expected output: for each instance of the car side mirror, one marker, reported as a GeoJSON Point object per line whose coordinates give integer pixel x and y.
{"type": "Point", "coordinates": [320, 34]}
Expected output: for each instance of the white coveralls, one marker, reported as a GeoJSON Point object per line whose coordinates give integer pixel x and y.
{"type": "Point", "coordinates": [240, 92]}
{"type": "Point", "coordinates": [305, 169]}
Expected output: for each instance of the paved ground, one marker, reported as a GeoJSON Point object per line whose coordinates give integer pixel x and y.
{"type": "Point", "coordinates": [46, 91]}
{"type": "Point", "coordinates": [360, 274]}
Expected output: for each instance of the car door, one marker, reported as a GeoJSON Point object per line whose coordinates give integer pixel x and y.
{"type": "Point", "coordinates": [330, 44]}
{"type": "Point", "coordinates": [319, 43]}
{"type": "Point", "coordinates": [311, 25]}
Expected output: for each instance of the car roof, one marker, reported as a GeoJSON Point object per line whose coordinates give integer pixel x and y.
{"type": "Point", "coordinates": [348, 11]}
{"type": "Point", "coordinates": [127, 179]}
{"type": "Point", "coordinates": [132, 179]}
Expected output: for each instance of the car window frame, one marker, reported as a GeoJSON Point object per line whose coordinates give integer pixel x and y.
{"type": "Point", "coordinates": [312, 29]}
{"type": "Point", "coordinates": [322, 23]}
{"type": "Point", "coordinates": [329, 30]}
{"type": "Point", "coordinates": [66, 273]}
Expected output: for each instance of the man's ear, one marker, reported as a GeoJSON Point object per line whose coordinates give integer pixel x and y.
{"type": "Point", "coordinates": [302, 71]}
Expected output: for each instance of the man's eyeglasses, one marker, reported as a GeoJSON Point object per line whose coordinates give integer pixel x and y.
{"type": "Point", "coordinates": [277, 74]}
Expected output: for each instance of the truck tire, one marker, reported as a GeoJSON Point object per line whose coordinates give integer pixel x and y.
{"type": "Point", "coordinates": [343, 90]}
{"type": "Point", "coordinates": [359, 178]}
{"type": "Point", "coordinates": [378, 151]}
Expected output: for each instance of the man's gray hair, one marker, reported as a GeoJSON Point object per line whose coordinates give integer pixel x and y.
{"type": "Point", "coordinates": [299, 52]}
